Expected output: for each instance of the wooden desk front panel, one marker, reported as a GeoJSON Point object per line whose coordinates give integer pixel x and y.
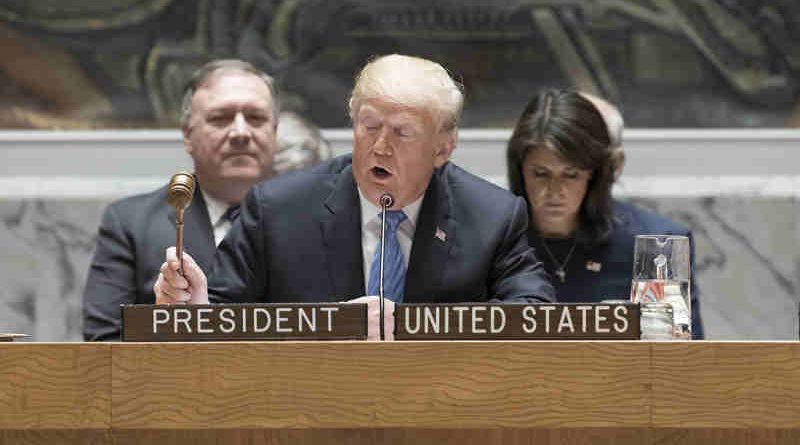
{"type": "Point", "coordinates": [356, 392]}
{"type": "Point", "coordinates": [390, 385]}
{"type": "Point", "coordinates": [51, 386]}
{"type": "Point", "coordinates": [726, 385]}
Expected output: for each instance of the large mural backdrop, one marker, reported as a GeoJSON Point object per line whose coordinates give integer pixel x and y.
{"type": "Point", "coordinates": [667, 63]}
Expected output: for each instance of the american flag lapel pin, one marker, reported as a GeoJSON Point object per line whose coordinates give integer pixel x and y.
{"type": "Point", "coordinates": [441, 235]}
{"type": "Point", "coordinates": [594, 266]}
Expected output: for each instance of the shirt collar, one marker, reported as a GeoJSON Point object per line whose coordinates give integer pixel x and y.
{"type": "Point", "coordinates": [369, 211]}
{"type": "Point", "coordinates": [215, 207]}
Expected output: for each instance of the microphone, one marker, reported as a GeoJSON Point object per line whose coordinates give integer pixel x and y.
{"type": "Point", "coordinates": [179, 195]}
{"type": "Point", "coordinates": [385, 201]}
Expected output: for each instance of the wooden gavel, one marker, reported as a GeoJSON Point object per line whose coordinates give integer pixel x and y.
{"type": "Point", "coordinates": [179, 195]}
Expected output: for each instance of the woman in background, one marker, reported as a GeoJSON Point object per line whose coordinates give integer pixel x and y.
{"type": "Point", "coordinates": [563, 158]}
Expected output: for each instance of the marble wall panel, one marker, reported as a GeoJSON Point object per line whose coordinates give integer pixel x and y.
{"type": "Point", "coordinates": [746, 262]}
{"type": "Point", "coordinates": [45, 250]}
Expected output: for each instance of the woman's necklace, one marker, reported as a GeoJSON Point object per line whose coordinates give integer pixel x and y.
{"type": "Point", "coordinates": [561, 267]}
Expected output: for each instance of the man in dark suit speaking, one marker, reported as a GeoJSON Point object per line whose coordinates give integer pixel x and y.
{"type": "Point", "coordinates": [229, 121]}
{"type": "Point", "coordinates": [313, 236]}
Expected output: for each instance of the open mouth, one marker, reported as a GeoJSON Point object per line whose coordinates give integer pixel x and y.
{"type": "Point", "coordinates": [380, 172]}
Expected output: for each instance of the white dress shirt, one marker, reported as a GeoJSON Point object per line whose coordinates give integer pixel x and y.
{"type": "Point", "coordinates": [216, 209]}
{"type": "Point", "coordinates": [371, 231]}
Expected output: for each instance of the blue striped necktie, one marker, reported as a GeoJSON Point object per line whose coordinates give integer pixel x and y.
{"type": "Point", "coordinates": [394, 268]}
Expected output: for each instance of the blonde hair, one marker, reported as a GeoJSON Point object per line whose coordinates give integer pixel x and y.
{"type": "Point", "coordinates": [412, 82]}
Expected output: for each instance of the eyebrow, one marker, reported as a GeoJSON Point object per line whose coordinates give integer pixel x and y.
{"type": "Point", "coordinates": [566, 169]}
{"type": "Point", "coordinates": [538, 166]}
{"type": "Point", "coordinates": [232, 108]}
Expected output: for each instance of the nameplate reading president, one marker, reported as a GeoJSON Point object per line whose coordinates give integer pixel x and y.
{"type": "Point", "coordinates": [163, 322]}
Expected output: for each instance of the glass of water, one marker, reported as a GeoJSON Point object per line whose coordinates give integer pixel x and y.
{"type": "Point", "coordinates": [661, 271]}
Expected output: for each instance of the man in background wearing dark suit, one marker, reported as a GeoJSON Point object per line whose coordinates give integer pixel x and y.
{"type": "Point", "coordinates": [313, 236]}
{"type": "Point", "coordinates": [229, 120]}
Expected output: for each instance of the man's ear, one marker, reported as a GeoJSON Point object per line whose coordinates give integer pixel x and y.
{"type": "Point", "coordinates": [445, 145]}
{"type": "Point", "coordinates": [187, 142]}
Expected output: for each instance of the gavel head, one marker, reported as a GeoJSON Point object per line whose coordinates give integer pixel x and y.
{"type": "Point", "coordinates": [181, 190]}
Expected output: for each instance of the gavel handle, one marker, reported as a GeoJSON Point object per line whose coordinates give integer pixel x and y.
{"type": "Point", "coordinates": [179, 240]}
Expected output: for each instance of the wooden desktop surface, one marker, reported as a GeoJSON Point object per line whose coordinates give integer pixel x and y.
{"type": "Point", "coordinates": [403, 392]}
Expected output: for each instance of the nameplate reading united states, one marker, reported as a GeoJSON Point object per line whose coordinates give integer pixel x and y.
{"type": "Point", "coordinates": [220, 322]}
{"type": "Point", "coordinates": [472, 321]}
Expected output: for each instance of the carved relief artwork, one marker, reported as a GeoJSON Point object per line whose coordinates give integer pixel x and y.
{"type": "Point", "coordinates": [668, 63]}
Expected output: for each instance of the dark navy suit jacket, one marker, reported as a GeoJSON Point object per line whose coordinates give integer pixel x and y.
{"type": "Point", "coordinates": [604, 271]}
{"type": "Point", "coordinates": [133, 235]}
{"type": "Point", "coordinates": [298, 239]}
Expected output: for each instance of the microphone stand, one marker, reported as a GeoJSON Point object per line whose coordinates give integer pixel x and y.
{"type": "Point", "coordinates": [386, 201]}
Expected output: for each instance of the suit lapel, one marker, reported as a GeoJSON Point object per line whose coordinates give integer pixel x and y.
{"type": "Point", "coordinates": [433, 240]}
{"type": "Point", "coordinates": [341, 233]}
{"type": "Point", "coordinates": [198, 236]}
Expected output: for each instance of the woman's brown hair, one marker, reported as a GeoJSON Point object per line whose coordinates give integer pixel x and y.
{"type": "Point", "coordinates": [571, 126]}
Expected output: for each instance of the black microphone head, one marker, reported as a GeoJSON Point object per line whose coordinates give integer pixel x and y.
{"type": "Point", "coordinates": [386, 200]}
